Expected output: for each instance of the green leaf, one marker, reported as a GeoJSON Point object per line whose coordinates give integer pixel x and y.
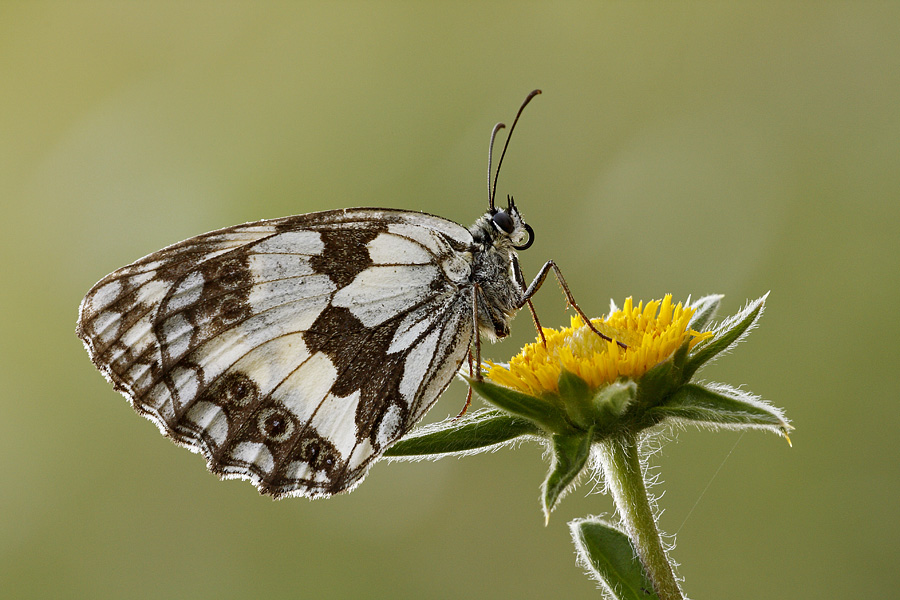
{"type": "Point", "coordinates": [722, 406]}
{"type": "Point", "coordinates": [570, 454]}
{"type": "Point", "coordinates": [606, 553]}
{"type": "Point", "coordinates": [546, 411]}
{"type": "Point", "coordinates": [481, 430]}
{"type": "Point", "coordinates": [725, 336]}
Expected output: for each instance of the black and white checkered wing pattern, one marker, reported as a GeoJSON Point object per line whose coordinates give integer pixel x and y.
{"type": "Point", "coordinates": [289, 352]}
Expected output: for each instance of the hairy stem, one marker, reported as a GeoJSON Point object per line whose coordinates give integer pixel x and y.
{"type": "Point", "coordinates": [622, 469]}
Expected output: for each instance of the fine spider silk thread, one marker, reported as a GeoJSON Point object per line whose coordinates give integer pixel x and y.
{"type": "Point", "coordinates": [711, 479]}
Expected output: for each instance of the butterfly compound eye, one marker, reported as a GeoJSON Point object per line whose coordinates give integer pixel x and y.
{"type": "Point", "coordinates": [503, 221]}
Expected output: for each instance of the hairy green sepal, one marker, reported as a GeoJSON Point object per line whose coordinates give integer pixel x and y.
{"type": "Point", "coordinates": [480, 430]}
{"type": "Point", "coordinates": [548, 411]}
{"type": "Point", "coordinates": [722, 406]}
{"type": "Point", "coordinates": [570, 454]}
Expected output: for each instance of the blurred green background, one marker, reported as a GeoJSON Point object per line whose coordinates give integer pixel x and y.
{"type": "Point", "coordinates": [688, 149]}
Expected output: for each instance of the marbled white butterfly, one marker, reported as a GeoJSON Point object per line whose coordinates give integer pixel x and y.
{"type": "Point", "coordinates": [292, 352]}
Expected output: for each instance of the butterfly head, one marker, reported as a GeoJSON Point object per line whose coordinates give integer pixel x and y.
{"type": "Point", "coordinates": [507, 227]}
{"type": "Point", "coordinates": [504, 228]}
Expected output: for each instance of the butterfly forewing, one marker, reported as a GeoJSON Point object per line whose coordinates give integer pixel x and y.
{"type": "Point", "coordinates": [290, 352]}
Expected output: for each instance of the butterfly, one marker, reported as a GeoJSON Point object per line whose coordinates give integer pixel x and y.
{"type": "Point", "coordinates": [292, 352]}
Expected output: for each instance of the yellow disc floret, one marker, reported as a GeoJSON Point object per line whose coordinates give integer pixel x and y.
{"type": "Point", "coordinates": [651, 333]}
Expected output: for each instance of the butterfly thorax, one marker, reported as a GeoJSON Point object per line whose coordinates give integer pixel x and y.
{"type": "Point", "coordinates": [492, 269]}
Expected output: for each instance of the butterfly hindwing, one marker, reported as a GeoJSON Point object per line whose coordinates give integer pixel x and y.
{"type": "Point", "coordinates": [291, 352]}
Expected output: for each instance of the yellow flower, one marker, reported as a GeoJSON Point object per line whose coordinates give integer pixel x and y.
{"type": "Point", "coordinates": [586, 397]}
{"type": "Point", "coordinates": [651, 333]}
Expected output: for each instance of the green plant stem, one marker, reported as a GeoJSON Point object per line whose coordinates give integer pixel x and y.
{"type": "Point", "coordinates": [622, 468]}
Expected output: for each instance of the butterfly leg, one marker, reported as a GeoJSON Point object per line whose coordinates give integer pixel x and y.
{"type": "Point", "coordinates": [520, 279]}
{"type": "Point", "coordinates": [537, 323]}
{"type": "Point", "coordinates": [468, 394]}
{"type": "Point", "coordinates": [476, 289]}
{"type": "Point", "coordinates": [539, 280]}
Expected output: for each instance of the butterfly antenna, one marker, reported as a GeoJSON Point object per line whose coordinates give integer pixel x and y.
{"type": "Point", "coordinates": [506, 145]}
{"type": "Point", "coordinates": [497, 128]}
